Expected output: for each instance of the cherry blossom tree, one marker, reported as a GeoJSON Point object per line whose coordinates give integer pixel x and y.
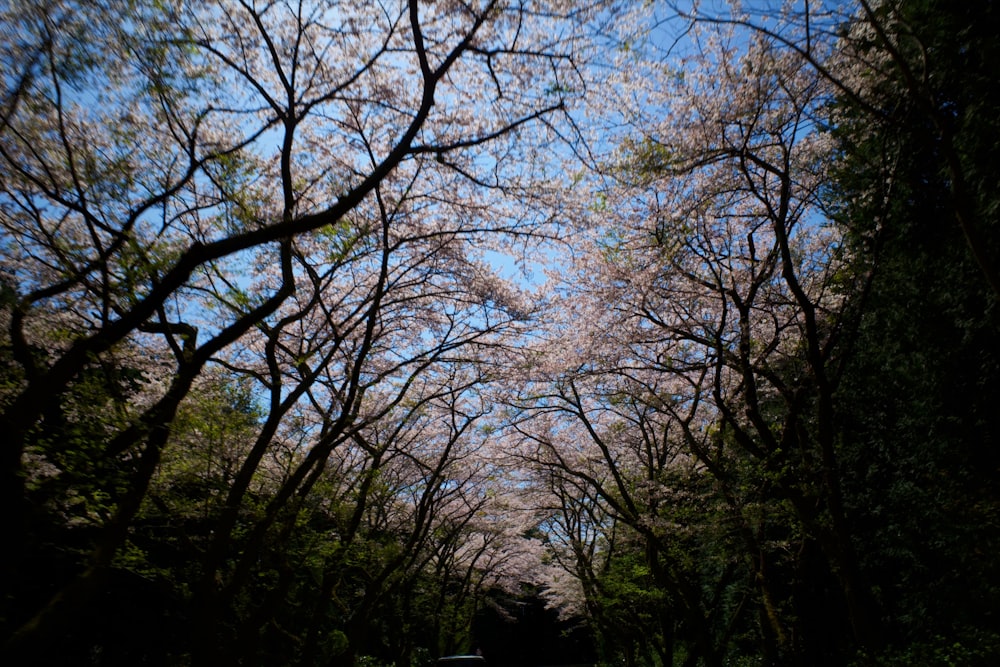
{"type": "Point", "coordinates": [700, 328]}
{"type": "Point", "coordinates": [299, 193]}
{"type": "Point", "coordinates": [884, 69]}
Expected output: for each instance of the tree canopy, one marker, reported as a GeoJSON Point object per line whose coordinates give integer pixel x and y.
{"type": "Point", "coordinates": [354, 333]}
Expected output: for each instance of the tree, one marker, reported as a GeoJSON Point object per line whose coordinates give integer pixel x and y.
{"type": "Point", "coordinates": [914, 121]}
{"type": "Point", "coordinates": [284, 191]}
{"type": "Point", "coordinates": [913, 421]}
{"type": "Point", "coordinates": [804, 330]}
{"type": "Point", "coordinates": [708, 293]}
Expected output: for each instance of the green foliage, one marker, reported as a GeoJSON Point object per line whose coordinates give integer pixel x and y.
{"type": "Point", "coordinates": [918, 425]}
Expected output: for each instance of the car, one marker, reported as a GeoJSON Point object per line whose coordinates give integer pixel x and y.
{"type": "Point", "coordinates": [461, 661]}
